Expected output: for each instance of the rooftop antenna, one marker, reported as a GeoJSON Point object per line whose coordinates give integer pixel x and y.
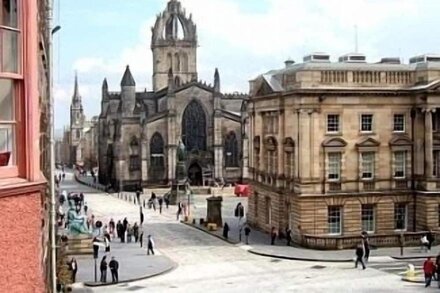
{"type": "Point", "coordinates": [356, 38]}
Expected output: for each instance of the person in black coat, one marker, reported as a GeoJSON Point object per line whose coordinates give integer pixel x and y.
{"type": "Point", "coordinates": [359, 256]}
{"type": "Point", "coordinates": [247, 231]}
{"type": "Point", "coordinates": [273, 236]}
{"type": "Point", "coordinates": [114, 266]}
{"type": "Point", "coordinates": [288, 236]}
{"type": "Point", "coordinates": [225, 230]}
{"type": "Point", "coordinates": [160, 200]}
{"type": "Point", "coordinates": [119, 229]}
{"type": "Point", "coordinates": [366, 244]}
{"type": "Point", "coordinates": [74, 268]}
{"type": "Point", "coordinates": [430, 238]}
{"type": "Point", "coordinates": [103, 268]}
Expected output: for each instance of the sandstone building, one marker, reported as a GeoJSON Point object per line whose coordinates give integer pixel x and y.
{"type": "Point", "coordinates": [139, 131]}
{"type": "Point", "coordinates": [336, 148]}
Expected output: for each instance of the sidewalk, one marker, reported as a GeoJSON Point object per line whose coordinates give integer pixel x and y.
{"type": "Point", "coordinates": [134, 263]}
{"type": "Point", "coordinates": [259, 242]}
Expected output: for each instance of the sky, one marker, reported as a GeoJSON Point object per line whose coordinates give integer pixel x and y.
{"type": "Point", "coordinates": [242, 38]}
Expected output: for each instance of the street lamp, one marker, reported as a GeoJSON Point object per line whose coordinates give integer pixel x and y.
{"type": "Point", "coordinates": [52, 148]}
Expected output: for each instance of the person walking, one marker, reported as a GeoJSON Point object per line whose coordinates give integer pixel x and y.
{"type": "Point", "coordinates": [85, 208]}
{"type": "Point", "coordinates": [179, 210]}
{"type": "Point", "coordinates": [138, 196]}
{"type": "Point", "coordinates": [111, 226]}
{"type": "Point", "coordinates": [167, 201]}
{"type": "Point", "coordinates": [74, 269]}
{"type": "Point", "coordinates": [130, 233]}
{"type": "Point", "coordinates": [142, 218]}
{"type": "Point", "coordinates": [437, 266]}
{"type": "Point", "coordinates": [430, 239]}
{"type": "Point", "coordinates": [247, 231]}
{"type": "Point", "coordinates": [428, 269]}
{"type": "Point", "coordinates": [273, 236]}
{"type": "Point", "coordinates": [103, 268]}
{"type": "Point", "coordinates": [114, 266]}
{"type": "Point", "coordinates": [136, 232]}
{"type": "Point", "coordinates": [150, 245]}
{"type": "Point", "coordinates": [225, 230]}
{"type": "Point", "coordinates": [359, 256]}
{"type": "Point", "coordinates": [288, 236]}
{"type": "Point", "coordinates": [366, 244]}
{"type": "Point", "coordinates": [160, 201]}
{"type": "Point", "coordinates": [119, 229]}
{"type": "Point", "coordinates": [107, 244]}
{"type": "Point", "coordinates": [124, 229]}
{"type": "Point", "coordinates": [141, 239]}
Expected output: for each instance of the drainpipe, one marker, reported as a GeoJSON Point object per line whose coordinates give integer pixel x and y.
{"type": "Point", "coordinates": [413, 189]}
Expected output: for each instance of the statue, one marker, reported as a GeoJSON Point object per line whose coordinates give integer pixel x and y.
{"type": "Point", "coordinates": [77, 222]}
{"type": "Point", "coordinates": [181, 162]}
{"type": "Point", "coordinates": [181, 152]}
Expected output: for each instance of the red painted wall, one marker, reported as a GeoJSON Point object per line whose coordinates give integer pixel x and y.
{"type": "Point", "coordinates": [21, 269]}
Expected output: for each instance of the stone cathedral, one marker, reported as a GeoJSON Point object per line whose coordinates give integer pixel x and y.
{"type": "Point", "coordinates": [139, 131]}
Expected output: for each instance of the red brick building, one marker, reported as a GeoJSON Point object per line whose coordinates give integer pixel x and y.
{"type": "Point", "coordinates": [24, 205]}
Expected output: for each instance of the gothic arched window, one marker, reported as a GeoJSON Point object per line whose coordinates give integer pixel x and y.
{"type": "Point", "coordinates": [184, 62]}
{"type": "Point", "coordinates": [157, 150]}
{"type": "Point", "coordinates": [170, 61]}
{"type": "Point", "coordinates": [177, 81]}
{"type": "Point", "coordinates": [176, 62]}
{"type": "Point", "coordinates": [231, 150]}
{"type": "Point", "coordinates": [194, 127]}
{"type": "Point", "coordinates": [135, 158]}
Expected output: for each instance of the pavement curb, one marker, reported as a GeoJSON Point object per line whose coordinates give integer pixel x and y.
{"type": "Point", "coordinates": [298, 258]}
{"type": "Point", "coordinates": [412, 257]}
{"type": "Point", "coordinates": [212, 234]}
{"type": "Point", "coordinates": [168, 270]}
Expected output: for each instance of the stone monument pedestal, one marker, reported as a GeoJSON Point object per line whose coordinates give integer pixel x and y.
{"type": "Point", "coordinates": [214, 212]}
{"type": "Point", "coordinates": [81, 244]}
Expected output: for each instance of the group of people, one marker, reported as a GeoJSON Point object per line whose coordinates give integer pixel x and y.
{"type": "Point", "coordinates": [125, 231]}
{"type": "Point", "coordinates": [114, 267]}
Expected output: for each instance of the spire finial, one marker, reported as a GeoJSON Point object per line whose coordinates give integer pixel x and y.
{"type": "Point", "coordinates": [216, 81]}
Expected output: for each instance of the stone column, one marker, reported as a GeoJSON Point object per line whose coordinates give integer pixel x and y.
{"type": "Point", "coordinates": [304, 144]}
{"type": "Point", "coordinates": [428, 142]}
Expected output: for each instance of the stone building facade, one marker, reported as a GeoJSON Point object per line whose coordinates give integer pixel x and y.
{"type": "Point", "coordinates": [25, 162]}
{"type": "Point", "coordinates": [139, 131]}
{"type": "Point", "coordinates": [336, 148]}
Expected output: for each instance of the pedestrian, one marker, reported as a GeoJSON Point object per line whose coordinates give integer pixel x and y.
{"type": "Point", "coordinates": [103, 268]}
{"type": "Point", "coordinates": [273, 236]}
{"type": "Point", "coordinates": [81, 198]}
{"type": "Point", "coordinates": [59, 177]}
{"type": "Point", "coordinates": [247, 231]}
{"type": "Point", "coordinates": [74, 269]}
{"type": "Point", "coordinates": [179, 210]}
{"type": "Point", "coordinates": [359, 256]}
{"type": "Point", "coordinates": [366, 244]}
{"type": "Point", "coordinates": [125, 228]}
{"type": "Point", "coordinates": [85, 208]}
{"type": "Point", "coordinates": [111, 226]}
{"type": "Point", "coordinates": [288, 236]}
{"type": "Point", "coordinates": [160, 200]}
{"type": "Point", "coordinates": [136, 232]}
{"type": "Point", "coordinates": [114, 266]}
{"type": "Point", "coordinates": [167, 201]}
{"type": "Point", "coordinates": [225, 230]}
{"type": "Point", "coordinates": [64, 175]}
{"type": "Point", "coordinates": [150, 245]}
{"type": "Point", "coordinates": [425, 242]}
{"type": "Point", "coordinates": [129, 233]}
{"type": "Point", "coordinates": [428, 269]}
{"type": "Point", "coordinates": [239, 212]}
{"type": "Point", "coordinates": [107, 244]}
{"type": "Point", "coordinates": [153, 201]}
{"type": "Point", "coordinates": [138, 196]}
{"type": "Point", "coordinates": [119, 229]}
{"type": "Point", "coordinates": [430, 239]}
{"type": "Point", "coordinates": [437, 266]}
{"type": "Point", "coordinates": [142, 218]}
{"type": "Point", "coordinates": [141, 239]}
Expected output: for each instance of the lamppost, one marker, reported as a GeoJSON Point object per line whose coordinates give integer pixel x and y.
{"type": "Point", "coordinates": [51, 32]}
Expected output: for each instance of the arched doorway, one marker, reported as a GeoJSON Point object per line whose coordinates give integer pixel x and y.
{"type": "Point", "coordinates": [194, 127]}
{"type": "Point", "coordinates": [195, 175]}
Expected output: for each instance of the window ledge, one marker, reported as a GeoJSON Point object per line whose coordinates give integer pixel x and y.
{"type": "Point", "coordinates": [17, 186]}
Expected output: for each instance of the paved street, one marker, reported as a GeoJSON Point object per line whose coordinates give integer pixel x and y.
{"type": "Point", "coordinates": [208, 263]}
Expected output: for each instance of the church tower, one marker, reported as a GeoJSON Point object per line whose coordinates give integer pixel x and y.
{"type": "Point", "coordinates": [76, 125]}
{"type": "Point", "coordinates": [174, 46]}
